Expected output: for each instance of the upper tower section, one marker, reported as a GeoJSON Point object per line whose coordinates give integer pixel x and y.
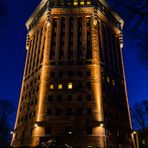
{"type": "Point", "coordinates": [101, 10]}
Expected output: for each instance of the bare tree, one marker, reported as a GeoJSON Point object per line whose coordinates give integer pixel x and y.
{"type": "Point", "coordinates": [135, 14]}
{"type": "Point", "coordinates": [6, 111]}
{"type": "Point", "coordinates": [139, 114]}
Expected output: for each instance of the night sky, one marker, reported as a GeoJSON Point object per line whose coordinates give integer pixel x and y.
{"type": "Point", "coordinates": [13, 54]}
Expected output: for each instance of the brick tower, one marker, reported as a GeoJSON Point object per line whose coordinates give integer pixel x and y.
{"type": "Point", "coordinates": [73, 88]}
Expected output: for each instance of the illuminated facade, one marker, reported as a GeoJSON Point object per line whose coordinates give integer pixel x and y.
{"type": "Point", "coordinates": [73, 87]}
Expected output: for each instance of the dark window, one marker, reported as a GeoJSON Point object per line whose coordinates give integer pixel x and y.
{"type": "Point", "coordinates": [88, 85]}
{"type": "Point", "coordinates": [48, 130]}
{"type": "Point", "coordinates": [50, 98]}
{"type": "Point", "coordinates": [37, 89]}
{"type": "Point", "coordinates": [54, 29]}
{"type": "Point", "coordinates": [31, 103]}
{"type": "Point", "coordinates": [62, 37]}
{"type": "Point", "coordinates": [59, 98]}
{"type": "Point", "coordinates": [58, 112]}
{"type": "Point", "coordinates": [35, 101]}
{"type": "Point", "coordinates": [61, 74]}
{"type": "Point", "coordinates": [80, 97]}
{"type": "Point", "coordinates": [69, 111]}
{"type": "Point", "coordinates": [80, 74]}
{"type": "Point", "coordinates": [89, 44]}
{"type": "Point", "coordinates": [52, 74]}
{"type": "Point", "coordinates": [70, 73]}
{"type": "Point", "coordinates": [88, 97]}
{"type": "Point", "coordinates": [80, 85]}
{"type": "Point", "coordinates": [70, 45]}
{"type": "Point", "coordinates": [89, 111]}
{"type": "Point", "coordinates": [88, 74]}
{"type": "Point", "coordinates": [89, 130]}
{"type": "Point", "coordinates": [69, 97]}
{"type": "Point", "coordinates": [20, 109]}
{"type": "Point", "coordinates": [31, 130]}
{"type": "Point", "coordinates": [26, 117]}
{"type": "Point", "coordinates": [79, 39]}
{"type": "Point", "coordinates": [49, 112]}
{"type": "Point", "coordinates": [30, 94]}
{"type": "Point", "coordinates": [68, 2]}
{"type": "Point", "coordinates": [80, 111]}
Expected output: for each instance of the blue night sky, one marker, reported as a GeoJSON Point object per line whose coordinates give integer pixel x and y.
{"type": "Point", "coordinates": [13, 53]}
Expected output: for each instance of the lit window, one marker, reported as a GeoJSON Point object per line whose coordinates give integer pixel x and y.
{"type": "Point", "coordinates": [60, 86]}
{"type": "Point", "coordinates": [81, 2]}
{"type": "Point", "coordinates": [70, 85]}
{"type": "Point", "coordinates": [88, 2]}
{"type": "Point", "coordinates": [75, 3]}
{"type": "Point", "coordinates": [51, 86]}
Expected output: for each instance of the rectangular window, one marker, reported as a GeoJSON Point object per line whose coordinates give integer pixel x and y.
{"type": "Point", "coordinates": [52, 74]}
{"type": "Point", "coordinates": [49, 112]}
{"type": "Point", "coordinates": [89, 111]}
{"type": "Point", "coordinates": [80, 97]}
{"type": "Point", "coordinates": [88, 85]}
{"type": "Point", "coordinates": [60, 86]}
{"type": "Point", "coordinates": [89, 130]}
{"type": "Point", "coordinates": [61, 74]}
{"type": "Point", "coordinates": [80, 111]}
{"type": "Point", "coordinates": [70, 85]}
{"type": "Point", "coordinates": [59, 98]}
{"type": "Point", "coordinates": [81, 2]}
{"type": "Point", "coordinates": [48, 130]}
{"type": "Point", "coordinates": [75, 2]}
{"type": "Point", "coordinates": [69, 98]}
{"type": "Point", "coordinates": [88, 97]}
{"type": "Point", "coordinates": [80, 73]}
{"type": "Point", "coordinates": [70, 73]}
{"type": "Point", "coordinates": [58, 112]}
{"type": "Point", "coordinates": [51, 86]}
{"type": "Point", "coordinates": [53, 43]}
{"type": "Point", "coordinates": [69, 111]}
{"type": "Point", "coordinates": [50, 98]}
{"type": "Point", "coordinates": [80, 85]}
{"type": "Point", "coordinates": [88, 2]}
{"type": "Point", "coordinates": [88, 74]}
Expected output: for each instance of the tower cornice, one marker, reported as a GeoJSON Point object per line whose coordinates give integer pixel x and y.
{"type": "Point", "coordinates": [99, 5]}
{"type": "Point", "coordinates": [35, 13]}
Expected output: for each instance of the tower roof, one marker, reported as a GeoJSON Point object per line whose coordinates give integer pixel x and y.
{"type": "Point", "coordinates": [99, 5]}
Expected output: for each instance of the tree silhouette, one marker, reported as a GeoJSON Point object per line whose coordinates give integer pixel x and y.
{"type": "Point", "coordinates": [6, 111]}
{"type": "Point", "coordinates": [135, 14]}
{"type": "Point", "coordinates": [139, 114]}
